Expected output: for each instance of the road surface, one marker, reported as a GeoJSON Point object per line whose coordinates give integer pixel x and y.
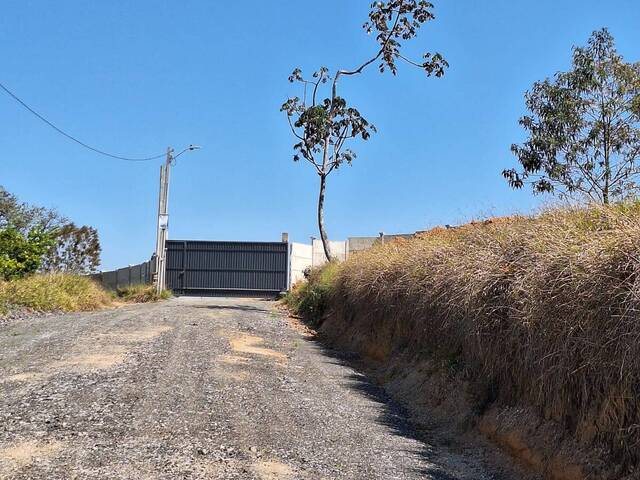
{"type": "Point", "coordinates": [200, 389]}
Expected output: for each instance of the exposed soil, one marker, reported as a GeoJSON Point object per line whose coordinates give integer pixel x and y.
{"type": "Point", "coordinates": [204, 389]}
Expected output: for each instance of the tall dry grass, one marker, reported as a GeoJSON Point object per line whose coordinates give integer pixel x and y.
{"type": "Point", "coordinates": [542, 310]}
{"type": "Point", "coordinates": [53, 292]}
{"type": "Point", "coordinates": [141, 294]}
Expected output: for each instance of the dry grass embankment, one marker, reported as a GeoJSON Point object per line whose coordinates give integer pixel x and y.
{"type": "Point", "coordinates": [55, 292]}
{"type": "Point", "coordinates": [537, 311]}
{"type": "Point", "coordinates": [68, 293]}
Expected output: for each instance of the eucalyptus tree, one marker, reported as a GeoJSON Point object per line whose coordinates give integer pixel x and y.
{"type": "Point", "coordinates": [324, 125]}
{"type": "Point", "coordinates": [583, 127]}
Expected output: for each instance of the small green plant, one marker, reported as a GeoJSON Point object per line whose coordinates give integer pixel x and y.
{"type": "Point", "coordinates": [310, 298]}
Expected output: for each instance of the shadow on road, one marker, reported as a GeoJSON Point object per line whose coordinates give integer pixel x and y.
{"type": "Point", "coordinates": [242, 308]}
{"type": "Point", "coordinates": [394, 417]}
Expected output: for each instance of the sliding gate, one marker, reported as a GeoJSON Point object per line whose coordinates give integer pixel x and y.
{"type": "Point", "coordinates": [227, 268]}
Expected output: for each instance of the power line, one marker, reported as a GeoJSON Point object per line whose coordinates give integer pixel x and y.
{"type": "Point", "coordinates": [74, 139]}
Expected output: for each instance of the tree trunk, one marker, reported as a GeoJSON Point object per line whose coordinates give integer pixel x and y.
{"type": "Point", "coordinates": [607, 164]}
{"type": "Point", "coordinates": [323, 233]}
{"type": "Point", "coordinates": [605, 118]}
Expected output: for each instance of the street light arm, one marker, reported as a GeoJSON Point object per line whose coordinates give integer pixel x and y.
{"type": "Point", "coordinates": [188, 149]}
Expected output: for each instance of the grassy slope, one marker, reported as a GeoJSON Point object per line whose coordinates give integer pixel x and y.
{"type": "Point", "coordinates": [541, 311]}
{"type": "Point", "coordinates": [68, 293]}
{"type": "Point", "coordinates": [58, 292]}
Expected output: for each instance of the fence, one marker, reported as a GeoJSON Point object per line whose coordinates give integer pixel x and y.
{"type": "Point", "coordinates": [127, 276]}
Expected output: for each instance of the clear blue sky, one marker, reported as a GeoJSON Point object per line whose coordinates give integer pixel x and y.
{"type": "Point", "coordinates": [135, 77]}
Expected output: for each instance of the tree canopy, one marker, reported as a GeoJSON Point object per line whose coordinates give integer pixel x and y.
{"type": "Point", "coordinates": [68, 247]}
{"type": "Point", "coordinates": [22, 255]}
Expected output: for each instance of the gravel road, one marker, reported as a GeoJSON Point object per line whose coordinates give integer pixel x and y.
{"type": "Point", "coordinates": [200, 389]}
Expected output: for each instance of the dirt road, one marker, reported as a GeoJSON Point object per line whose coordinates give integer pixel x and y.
{"type": "Point", "coordinates": [199, 389]}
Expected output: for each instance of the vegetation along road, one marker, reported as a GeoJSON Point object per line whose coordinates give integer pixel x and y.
{"type": "Point", "coordinates": [200, 388]}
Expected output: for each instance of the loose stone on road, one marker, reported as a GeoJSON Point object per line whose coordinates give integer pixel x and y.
{"type": "Point", "coordinates": [199, 389]}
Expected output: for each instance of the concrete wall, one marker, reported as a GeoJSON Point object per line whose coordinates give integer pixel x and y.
{"type": "Point", "coordinates": [339, 249]}
{"type": "Point", "coordinates": [358, 244]}
{"type": "Point", "coordinates": [303, 256]}
{"type": "Point", "coordinates": [300, 258]}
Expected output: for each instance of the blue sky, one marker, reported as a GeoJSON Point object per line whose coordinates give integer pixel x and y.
{"type": "Point", "coordinates": [135, 77]}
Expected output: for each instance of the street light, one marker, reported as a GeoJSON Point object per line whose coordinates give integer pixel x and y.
{"type": "Point", "coordinates": [190, 148]}
{"type": "Point", "coordinates": [163, 217]}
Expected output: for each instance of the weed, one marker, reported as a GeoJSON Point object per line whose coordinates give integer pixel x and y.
{"type": "Point", "coordinates": [141, 294]}
{"type": "Point", "coordinates": [54, 292]}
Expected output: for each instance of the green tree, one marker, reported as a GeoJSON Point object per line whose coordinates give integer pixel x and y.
{"type": "Point", "coordinates": [583, 127]}
{"type": "Point", "coordinates": [75, 249]}
{"type": "Point", "coordinates": [21, 254]}
{"type": "Point", "coordinates": [324, 126]}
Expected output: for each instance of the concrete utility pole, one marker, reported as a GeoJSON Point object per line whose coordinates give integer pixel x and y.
{"type": "Point", "coordinates": [160, 278]}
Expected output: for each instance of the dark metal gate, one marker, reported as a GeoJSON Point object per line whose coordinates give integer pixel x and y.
{"type": "Point", "coordinates": [227, 268]}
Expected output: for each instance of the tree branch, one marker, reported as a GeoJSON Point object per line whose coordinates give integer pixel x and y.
{"type": "Point", "coordinates": [365, 64]}
{"type": "Point", "coordinates": [309, 158]}
{"type": "Point", "coordinates": [293, 130]}
{"type": "Point", "coordinates": [409, 61]}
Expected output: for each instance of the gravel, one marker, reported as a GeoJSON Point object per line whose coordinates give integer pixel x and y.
{"type": "Point", "coordinates": [202, 389]}
{"type": "Point", "coordinates": [16, 313]}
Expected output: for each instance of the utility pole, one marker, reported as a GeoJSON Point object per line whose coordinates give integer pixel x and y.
{"type": "Point", "coordinates": [160, 278]}
{"type": "Point", "coordinates": [163, 223]}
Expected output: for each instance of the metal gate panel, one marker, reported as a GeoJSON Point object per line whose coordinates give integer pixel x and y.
{"type": "Point", "coordinates": [227, 268]}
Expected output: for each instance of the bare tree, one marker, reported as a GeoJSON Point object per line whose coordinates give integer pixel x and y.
{"type": "Point", "coordinates": [76, 250]}
{"type": "Point", "coordinates": [323, 126]}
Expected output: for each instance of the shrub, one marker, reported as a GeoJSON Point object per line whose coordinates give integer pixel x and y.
{"type": "Point", "coordinates": [309, 299]}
